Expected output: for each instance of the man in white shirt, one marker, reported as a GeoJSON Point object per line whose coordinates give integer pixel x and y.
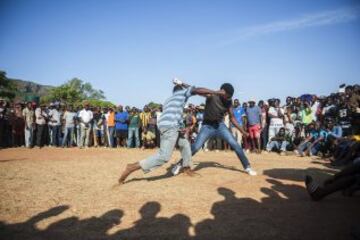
{"type": "Point", "coordinates": [276, 115]}
{"type": "Point", "coordinates": [41, 117]}
{"type": "Point", "coordinates": [55, 125]}
{"type": "Point", "coordinates": [85, 118]}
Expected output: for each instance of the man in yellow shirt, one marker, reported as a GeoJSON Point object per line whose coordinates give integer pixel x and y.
{"type": "Point", "coordinates": [145, 117]}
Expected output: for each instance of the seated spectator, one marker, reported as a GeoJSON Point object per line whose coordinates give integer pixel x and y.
{"type": "Point", "coordinates": [312, 144]}
{"type": "Point", "coordinates": [148, 139]}
{"type": "Point", "coordinates": [278, 143]}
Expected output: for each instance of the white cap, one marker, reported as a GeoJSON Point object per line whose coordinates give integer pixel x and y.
{"type": "Point", "coordinates": [252, 100]}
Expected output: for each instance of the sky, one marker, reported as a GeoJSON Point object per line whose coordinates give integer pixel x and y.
{"type": "Point", "coordinates": [132, 49]}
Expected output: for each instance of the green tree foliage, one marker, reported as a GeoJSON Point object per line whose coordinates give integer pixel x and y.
{"type": "Point", "coordinates": [74, 92]}
{"type": "Point", "coordinates": [153, 105]}
{"type": "Point", "coordinates": [7, 88]}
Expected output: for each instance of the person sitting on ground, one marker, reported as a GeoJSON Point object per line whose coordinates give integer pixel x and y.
{"type": "Point", "coordinates": [278, 143]}
{"type": "Point", "coordinates": [347, 180]}
{"type": "Point", "coordinates": [148, 139]}
{"type": "Point", "coordinates": [311, 145]}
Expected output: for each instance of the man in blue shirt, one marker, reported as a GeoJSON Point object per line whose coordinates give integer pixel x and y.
{"type": "Point", "coordinates": [239, 113]}
{"type": "Point", "coordinates": [121, 126]}
{"type": "Point", "coordinates": [253, 115]}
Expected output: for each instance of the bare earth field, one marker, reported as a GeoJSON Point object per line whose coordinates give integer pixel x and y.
{"type": "Point", "coordinates": [73, 194]}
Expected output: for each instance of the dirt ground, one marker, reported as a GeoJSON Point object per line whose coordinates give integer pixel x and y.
{"type": "Point", "coordinates": [55, 193]}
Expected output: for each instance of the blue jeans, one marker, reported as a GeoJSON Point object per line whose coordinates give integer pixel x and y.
{"type": "Point", "coordinates": [69, 132]}
{"type": "Point", "coordinates": [133, 132]}
{"type": "Point", "coordinates": [304, 146]}
{"type": "Point", "coordinates": [221, 131]}
{"type": "Point", "coordinates": [168, 138]}
{"type": "Point", "coordinates": [55, 135]}
{"type": "Point", "coordinates": [276, 144]}
{"type": "Point", "coordinates": [28, 136]}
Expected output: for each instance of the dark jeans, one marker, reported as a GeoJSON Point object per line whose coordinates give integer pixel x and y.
{"type": "Point", "coordinates": [69, 133]}
{"type": "Point", "coordinates": [40, 134]}
{"type": "Point", "coordinates": [55, 135]}
{"type": "Point", "coordinates": [220, 131]}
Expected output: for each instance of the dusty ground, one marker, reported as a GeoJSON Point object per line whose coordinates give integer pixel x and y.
{"type": "Point", "coordinates": [73, 194]}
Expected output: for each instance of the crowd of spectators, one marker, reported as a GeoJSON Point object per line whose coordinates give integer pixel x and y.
{"type": "Point", "coordinates": [306, 125]}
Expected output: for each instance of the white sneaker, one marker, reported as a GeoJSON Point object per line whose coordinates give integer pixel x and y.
{"type": "Point", "coordinates": [176, 169]}
{"type": "Point", "coordinates": [247, 151]}
{"type": "Point", "coordinates": [250, 171]}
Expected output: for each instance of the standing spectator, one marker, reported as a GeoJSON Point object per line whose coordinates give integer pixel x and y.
{"type": "Point", "coordinates": [17, 126]}
{"type": "Point", "coordinates": [78, 127]}
{"type": "Point", "coordinates": [41, 120]}
{"type": "Point", "coordinates": [110, 126]}
{"type": "Point", "coordinates": [134, 125]}
{"type": "Point", "coordinates": [239, 114]}
{"type": "Point", "coordinates": [276, 115]}
{"type": "Point", "coordinates": [306, 116]}
{"type": "Point", "coordinates": [85, 118]}
{"type": "Point", "coordinates": [121, 119]}
{"type": "Point", "coordinates": [97, 125]}
{"type": "Point", "coordinates": [29, 117]}
{"type": "Point", "coordinates": [69, 118]}
{"type": "Point", "coordinates": [315, 108]}
{"type": "Point", "coordinates": [253, 115]}
{"type": "Point", "coordinates": [264, 123]}
{"type": "Point", "coordinates": [344, 116]}
{"type": "Point", "coordinates": [55, 125]}
{"type": "Point", "coordinates": [145, 116]}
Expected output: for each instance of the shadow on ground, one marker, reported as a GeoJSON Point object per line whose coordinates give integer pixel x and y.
{"type": "Point", "coordinates": [198, 166]}
{"type": "Point", "coordinates": [284, 212]}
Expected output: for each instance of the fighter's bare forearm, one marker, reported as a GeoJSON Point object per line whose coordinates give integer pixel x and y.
{"type": "Point", "coordinates": [205, 92]}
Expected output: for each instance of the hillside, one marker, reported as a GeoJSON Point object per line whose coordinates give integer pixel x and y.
{"type": "Point", "coordinates": [28, 88]}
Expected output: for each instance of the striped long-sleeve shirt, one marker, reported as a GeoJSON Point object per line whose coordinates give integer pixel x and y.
{"type": "Point", "coordinates": [173, 108]}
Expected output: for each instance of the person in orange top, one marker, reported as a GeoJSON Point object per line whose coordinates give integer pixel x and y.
{"type": "Point", "coordinates": [110, 120]}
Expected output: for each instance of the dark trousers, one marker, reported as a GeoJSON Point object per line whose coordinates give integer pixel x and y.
{"type": "Point", "coordinates": [40, 134]}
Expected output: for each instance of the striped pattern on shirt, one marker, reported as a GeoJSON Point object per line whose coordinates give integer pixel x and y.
{"type": "Point", "coordinates": [173, 109]}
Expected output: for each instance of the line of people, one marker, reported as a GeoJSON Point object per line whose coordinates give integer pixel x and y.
{"type": "Point", "coordinates": [307, 125]}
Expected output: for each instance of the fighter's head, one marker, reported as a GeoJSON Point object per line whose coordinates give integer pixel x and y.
{"type": "Point", "coordinates": [177, 88]}
{"type": "Point", "coordinates": [229, 90]}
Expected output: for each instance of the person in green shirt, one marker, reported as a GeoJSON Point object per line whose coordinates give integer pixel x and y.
{"type": "Point", "coordinates": [134, 125]}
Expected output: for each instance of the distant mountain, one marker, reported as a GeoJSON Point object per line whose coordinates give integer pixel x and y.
{"type": "Point", "coordinates": [26, 89]}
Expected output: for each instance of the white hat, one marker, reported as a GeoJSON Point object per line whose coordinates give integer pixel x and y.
{"type": "Point", "coordinates": [252, 100]}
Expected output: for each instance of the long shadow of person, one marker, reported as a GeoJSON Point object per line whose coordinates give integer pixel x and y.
{"type": "Point", "coordinates": [297, 174]}
{"type": "Point", "coordinates": [152, 227]}
{"type": "Point", "coordinates": [90, 228]}
{"type": "Point", "coordinates": [28, 229]}
{"type": "Point", "coordinates": [231, 218]}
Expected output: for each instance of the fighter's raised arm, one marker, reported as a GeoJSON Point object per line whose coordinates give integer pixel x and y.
{"type": "Point", "coordinates": [199, 90]}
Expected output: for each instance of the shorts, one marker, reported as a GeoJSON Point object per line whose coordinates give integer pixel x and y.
{"type": "Point", "coordinates": [121, 133]}
{"type": "Point", "coordinates": [254, 131]}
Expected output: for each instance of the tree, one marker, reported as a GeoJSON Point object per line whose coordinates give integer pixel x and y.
{"type": "Point", "coordinates": [75, 91]}
{"type": "Point", "coordinates": [153, 105]}
{"type": "Point", "coordinates": [7, 88]}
